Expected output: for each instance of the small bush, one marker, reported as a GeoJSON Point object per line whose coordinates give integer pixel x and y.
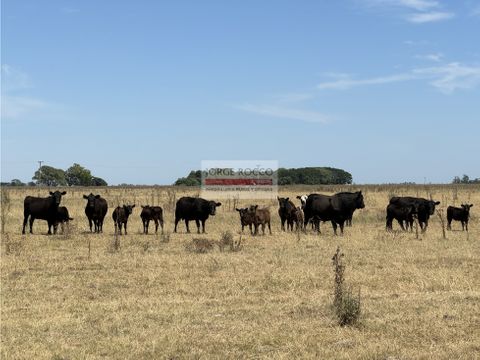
{"type": "Point", "coordinates": [200, 245]}
{"type": "Point", "coordinates": [12, 247]}
{"type": "Point", "coordinates": [165, 238]}
{"type": "Point", "coordinates": [347, 307]}
{"type": "Point", "coordinates": [227, 240]}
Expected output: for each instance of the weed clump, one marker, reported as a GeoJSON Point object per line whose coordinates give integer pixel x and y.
{"type": "Point", "coordinates": [347, 306]}
{"type": "Point", "coordinates": [200, 245]}
{"type": "Point", "coordinates": [227, 241]}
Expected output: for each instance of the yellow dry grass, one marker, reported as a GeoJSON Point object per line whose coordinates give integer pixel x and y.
{"type": "Point", "coordinates": [71, 296]}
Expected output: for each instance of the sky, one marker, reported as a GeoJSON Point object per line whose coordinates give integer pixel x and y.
{"type": "Point", "coordinates": [142, 91]}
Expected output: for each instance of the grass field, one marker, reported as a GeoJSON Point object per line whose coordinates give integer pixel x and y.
{"type": "Point", "coordinates": [72, 296]}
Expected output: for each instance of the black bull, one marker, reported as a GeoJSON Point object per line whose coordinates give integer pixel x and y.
{"type": "Point", "coordinates": [336, 208]}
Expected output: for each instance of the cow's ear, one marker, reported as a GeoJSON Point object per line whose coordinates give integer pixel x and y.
{"type": "Point", "coordinates": [143, 207]}
{"type": "Point", "coordinates": [237, 209]}
{"type": "Point", "coordinates": [97, 196]}
{"type": "Point", "coordinates": [471, 205]}
{"type": "Point", "coordinates": [218, 204]}
{"type": "Point", "coordinates": [51, 193]}
{"type": "Point", "coordinates": [437, 202]}
{"type": "Point", "coordinates": [133, 206]}
{"type": "Point", "coordinates": [85, 196]}
{"type": "Point", "coordinates": [256, 206]}
{"type": "Point", "coordinates": [64, 192]}
{"type": "Point", "coordinates": [299, 197]}
{"type": "Point", "coordinates": [278, 198]}
{"type": "Point", "coordinates": [359, 193]}
{"type": "Point", "coordinates": [287, 199]}
{"type": "Point", "coordinates": [70, 219]}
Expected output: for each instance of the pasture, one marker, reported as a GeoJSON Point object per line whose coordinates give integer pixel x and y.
{"type": "Point", "coordinates": [74, 296]}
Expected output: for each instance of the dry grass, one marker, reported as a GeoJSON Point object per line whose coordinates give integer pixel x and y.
{"type": "Point", "coordinates": [69, 297]}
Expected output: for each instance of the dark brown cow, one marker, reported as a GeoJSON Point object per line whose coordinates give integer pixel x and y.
{"type": "Point", "coordinates": [154, 213]}
{"type": "Point", "coordinates": [120, 216]}
{"type": "Point", "coordinates": [286, 212]}
{"type": "Point", "coordinates": [246, 219]}
{"type": "Point", "coordinates": [260, 217]}
{"type": "Point", "coordinates": [461, 214]}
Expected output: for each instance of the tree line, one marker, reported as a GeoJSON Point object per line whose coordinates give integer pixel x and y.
{"type": "Point", "coordinates": [294, 176]}
{"type": "Point", "coordinates": [75, 175]}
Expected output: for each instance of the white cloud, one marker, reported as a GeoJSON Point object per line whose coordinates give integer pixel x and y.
{"type": "Point", "coordinates": [450, 77]}
{"type": "Point", "coordinates": [428, 17]}
{"type": "Point", "coordinates": [14, 79]}
{"type": "Point", "coordinates": [437, 57]}
{"type": "Point", "coordinates": [285, 113]}
{"type": "Point", "coordinates": [18, 106]}
{"type": "Point", "coordinates": [447, 78]}
{"type": "Point", "coordinates": [419, 5]}
{"type": "Point", "coordinates": [346, 83]}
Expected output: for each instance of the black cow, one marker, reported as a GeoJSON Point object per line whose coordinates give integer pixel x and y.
{"type": "Point", "coordinates": [337, 208]}
{"type": "Point", "coordinates": [154, 213]}
{"type": "Point", "coordinates": [348, 220]}
{"type": "Point", "coordinates": [461, 214]}
{"type": "Point", "coordinates": [198, 209]}
{"type": "Point", "coordinates": [246, 218]}
{"type": "Point", "coordinates": [120, 216]}
{"type": "Point", "coordinates": [95, 210]}
{"type": "Point", "coordinates": [403, 214]}
{"type": "Point", "coordinates": [42, 208]}
{"type": "Point", "coordinates": [62, 217]}
{"type": "Point", "coordinates": [286, 211]}
{"type": "Point", "coordinates": [423, 208]}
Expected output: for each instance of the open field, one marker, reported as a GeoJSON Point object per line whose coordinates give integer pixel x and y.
{"type": "Point", "coordinates": [71, 296]}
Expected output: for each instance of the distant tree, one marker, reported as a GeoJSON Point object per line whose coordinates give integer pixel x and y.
{"type": "Point", "coordinates": [16, 182]}
{"type": "Point", "coordinates": [31, 183]}
{"type": "Point", "coordinates": [465, 180]}
{"type": "Point", "coordinates": [96, 181]}
{"type": "Point", "coordinates": [77, 175]}
{"type": "Point", "coordinates": [50, 176]}
{"type": "Point", "coordinates": [193, 179]}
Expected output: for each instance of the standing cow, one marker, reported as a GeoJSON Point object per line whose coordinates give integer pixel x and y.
{"type": "Point", "coordinates": [423, 208]}
{"type": "Point", "coordinates": [62, 217]}
{"type": "Point", "coordinates": [286, 211]}
{"type": "Point", "coordinates": [337, 208]}
{"type": "Point", "coordinates": [246, 218]}
{"type": "Point", "coordinates": [42, 208]}
{"type": "Point", "coordinates": [198, 209]}
{"type": "Point", "coordinates": [96, 209]}
{"type": "Point", "coordinates": [260, 217]}
{"type": "Point", "coordinates": [461, 214]}
{"type": "Point", "coordinates": [403, 214]}
{"type": "Point", "coordinates": [154, 213]}
{"type": "Point", "coordinates": [120, 216]}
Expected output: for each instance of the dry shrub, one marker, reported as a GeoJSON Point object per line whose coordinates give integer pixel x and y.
{"type": "Point", "coordinates": [200, 245]}
{"type": "Point", "coordinates": [11, 246]}
{"type": "Point", "coordinates": [227, 240]}
{"type": "Point", "coordinates": [347, 307]}
{"type": "Point", "coordinates": [165, 238]}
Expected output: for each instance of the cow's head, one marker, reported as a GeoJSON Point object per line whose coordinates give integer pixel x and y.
{"type": "Point", "coordinates": [303, 200]}
{"type": "Point", "coordinates": [128, 209]}
{"type": "Point", "coordinates": [91, 199]}
{"type": "Point", "coordinates": [466, 208]}
{"type": "Point", "coordinates": [284, 203]}
{"type": "Point", "coordinates": [243, 212]}
{"type": "Point", "coordinates": [359, 204]}
{"type": "Point", "coordinates": [213, 206]}
{"type": "Point", "coordinates": [430, 205]}
{"type": "Point", "coordinates": [57, 196]}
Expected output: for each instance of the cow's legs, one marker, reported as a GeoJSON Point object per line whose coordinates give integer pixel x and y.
{"type": "Point", "coordinates": [334, 225]}
{"type": "Point", "coordinates": [161, 225]}
{"type": "Point", "coordinates": [269, 228]}
{"type": "Point", "coordinates": [25, 220]}
{"type": "Point", "coordinates": [125, 227]}
{"type": "Point", "coordinates": [32, 219]}
{"type": "Point", "coordinates": [466, 225]}
{"type": "Point", "coordinates": [283, 224]}
{"type": "Point", "coordinates": [449, 225]}
{"type": "Point", "coordinates": [186, 225]}
{"type": "Point", "coordinates": [176, 223]}
{"type": "Point", "coordinates": [90, 223]}
{"type": "Point", "coordinates": [156, 225]}
{"type": "Point", "coordinates": [203, 226]}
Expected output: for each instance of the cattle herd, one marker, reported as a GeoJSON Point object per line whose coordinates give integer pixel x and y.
{"type": "Point", "coordinates": [314, 209]}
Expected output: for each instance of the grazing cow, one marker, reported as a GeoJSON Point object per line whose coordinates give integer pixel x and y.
{"type": "Point", "coordinates": [403, 214]}
{"type": "Point", "coordinates": [336, 208]}
{"type": "Point", "coordinates": [95, 210]}
{"type": "Point", "coordinates": [423, 208]}
{"type": "Point", "coordinates": [120, 216]}
{"type": "Point", "coordinates": [286, 212]}
{"type": "Point", "coordinates": [459, 214]}
{"type": "Point", "coordinates": [246, 218]}
{"type": "Point", "coordinates": [154, 213]}
{"type": "Point", "coordinates": [198, 209]}
{"type": "Point", "coordinates": [42, 208]}
{"type": "Point", "coordinates": [62, 217]}
{"type": "Point", "coordinates": [260, 217]}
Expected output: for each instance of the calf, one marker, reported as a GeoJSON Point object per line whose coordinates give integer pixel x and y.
{"type": "Point", "coordinates": [154, 213]}
{"type": "Point", "coordinates": [298, 218]}
{"type": "Point", "coordinates": [260, 217]}
{"type": "Point", "coordinates": [42, 208]}
{"type": "Point", "coordinates": [96, 209]}
{"type": "Point", "coordinates": [120, 216]}
{"type": "Point", "coordinates": [286, 212]}
{"type": "Point", "coordinates": [403, 214]}
{"type": "Point", "coordinates": [62, 217]}
{"type": "Point", "coordinates": [423, 208]}
{"type": "Point", "coordinates": [246, 218]}
{"type": "Point", "coordinates": [459, 214]}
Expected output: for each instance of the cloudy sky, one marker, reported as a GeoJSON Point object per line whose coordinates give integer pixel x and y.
{"type": "Point", "coordinates": [142, 91]}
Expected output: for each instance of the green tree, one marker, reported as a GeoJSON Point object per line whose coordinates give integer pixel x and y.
{"type": "Point", "coordinates": [50, 176]}
{"type": "Point", "coordinates": [77, 175]}
{"type": "Point", "coordinates": [16, 182]}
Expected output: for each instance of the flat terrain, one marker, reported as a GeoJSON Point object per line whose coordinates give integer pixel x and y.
{"type": "Point", "coordinates": [72, 296]}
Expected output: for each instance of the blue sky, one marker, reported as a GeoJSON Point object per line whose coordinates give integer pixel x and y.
{"type": "Point", "coordinates": [142, 91]}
